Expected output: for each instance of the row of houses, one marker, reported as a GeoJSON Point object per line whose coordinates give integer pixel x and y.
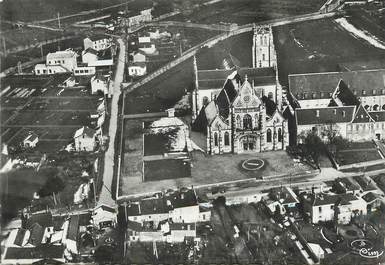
{"type": "Point", "coordinates": [168, 217]}
{"type": "Point", "coordinates": [45, 236]}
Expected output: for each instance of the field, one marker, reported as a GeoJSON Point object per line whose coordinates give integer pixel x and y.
{"type": "Point", "coordinates": [249, 11]}
{"type": "Point", "coordinates": [318, 46]}
{"type": "Point", "coordinates": [40, 105]}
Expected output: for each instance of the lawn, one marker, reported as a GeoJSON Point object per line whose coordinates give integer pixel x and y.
{"type": "Point", "coordinates": [156, 170]}
{"type": "Point", "coordinates": [358, 152]}
{"type": "Point", "coordinates": [317, 46]}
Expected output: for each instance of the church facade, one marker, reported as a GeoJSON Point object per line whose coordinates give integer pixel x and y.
{"type": "Point", "coordinates": [245, 127]}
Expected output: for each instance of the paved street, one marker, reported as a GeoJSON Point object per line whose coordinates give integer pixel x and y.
{"type": "Point", "coordinates": [106, 193]}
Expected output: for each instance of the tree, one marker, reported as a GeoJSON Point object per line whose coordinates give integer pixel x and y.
{"type": "Point", "coordinates": [313, 146]}
{"type": "Point", "coordinates": [52, 186]}
{"type": "Point", "coordinates": [103, 254]}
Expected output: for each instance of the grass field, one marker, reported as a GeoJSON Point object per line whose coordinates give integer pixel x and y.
{"type": "Point", "coordinates": [248, 11]}
{"type": "Point", "coordinates": [358, 152]}
{"type": "Point", "coordinates": [318, 46]}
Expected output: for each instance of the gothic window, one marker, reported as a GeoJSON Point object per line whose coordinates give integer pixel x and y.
{"type": "Point", "coordinates": [216, 139]}
{"type": "Point", "coordinates": [263, 57]}
{"type": "Point", "coordinates": [227, 138]}
{"type": "Point", "coordinates": [256, 124]}
{"type": "Point", "coordinates": [264, 40]}
{"type": "Point", "coordinates": [279, 135]}
{"type": "Point", "coordinates": [376, 107]}
{"type": "Point", "coordinates": [238, 120]}
{"type": "Point", "coordinates": [247, 122]}
{"type": "Point", "coordinates": [268, 136]}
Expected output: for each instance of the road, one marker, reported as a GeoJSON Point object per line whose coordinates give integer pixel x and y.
{"type": "Point", "coordinates": [105, 196]}
{"type": "Point", "coordinates": [214, 40]}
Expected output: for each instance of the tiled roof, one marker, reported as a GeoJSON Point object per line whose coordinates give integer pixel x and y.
{"type": "Point", "coordinates": [284, 195]}
{"type": "Point", "coordinates": [31, 137]}
{"type": "Point", "coordinates": [90, 50]}
{"type": "Point", "coordinates": [37, 233]}
{"type": "Point", "coordinates": [325, 199]}
{"type": "Point", "coordinates": [162, 205]}
{"type": "Point", "coordinates": [20, 236]}
{"type": "Point", "coordinates": [370, 197]}
{"type": "Point", "coordinates": [327, 115]}
{"type": "Point", "coordinates": [343, 96]}
{"type": "Point", "coordinates": [41, 252]}
{"type": "Point", "coordinates": [43, 219]}
{"type": "Point", "coordinates": [98, 37]}
{"type": "Point", "coordinates": [61, 55]}
{"type": "Point", "coordinates": [73, 228]}
{"type": "Point", "coordinates": [318, 84]}
{"type": "Point", "coordinates": [362, 115]}
{"type": "Point", "coordinates": [106, 208]}
{"type": "Point", "coordinates": [377, 115]}
{"type": "Point", "coordinates": [85, 130]}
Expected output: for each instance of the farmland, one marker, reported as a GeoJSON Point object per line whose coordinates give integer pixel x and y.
{"type": "Point", "coordinates": [42, 106]}
{"type": "Point", "coordinates": [307, 47]}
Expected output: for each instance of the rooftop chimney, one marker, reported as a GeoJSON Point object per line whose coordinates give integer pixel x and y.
{"type": "Point", "coordinates": [171, 112]}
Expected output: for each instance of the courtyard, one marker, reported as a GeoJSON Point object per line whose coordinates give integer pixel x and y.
{"type": "Point", "coordinates": [205, 169]}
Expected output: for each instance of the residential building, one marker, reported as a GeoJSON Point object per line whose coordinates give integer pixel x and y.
{"type": "Point", "coordinates": [138, 57]}
{"type": "Point", "coordinates": [138, 18]}
{"type": "Point", "coordinates": [85, 139]}
{"type": "Point", "coordinates": [137, 69]}
{"type": "Point", "coordinates": [178, 206]}
{"type": "Point", "coordinates": [339, 208]}
{"type": "Point", "coordinates": [95, 58]}
{"type": "Point", "coordinates": [97, 42]}
{"type": "Point", "coordinates": [84, 70]}
{"type": "Point", "coordinates": [69, 82]}
{"type": "Point", "coordinates": [100, 83]}
{"type": "Point", "coordinates": [145, 45]}
{"type": "Point", "coordinates": [31, 140]}
{"type": "Point", "coordinates": [103, 215]}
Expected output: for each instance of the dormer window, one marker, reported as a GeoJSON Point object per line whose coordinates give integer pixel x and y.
{"type": "Point", "coordinates": [374, 91]}
{"type": "Point", "coordinates": [363, 92]}
{"type": "Point", "coordinates": [317, 113]}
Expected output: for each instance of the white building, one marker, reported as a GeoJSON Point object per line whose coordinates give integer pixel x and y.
{"type": "Point", "coordinates": [84, 70]}
{"type": "Point", "coordinates": [58, 62]}
{"type": "Point", "coordinates": [103, 215]}
{"type": "Point", "coordinates": [179, 206]}
{"type": "Point", "coordinates": [339, 208]}
{"type": "Point", "coordinates": [31, 140]}
{"type": "Point", "coordinates": [100, 83]}
{"type": "Point", "coordinates": [95, 58]}
{"type": "Point", "coordinates": [135, 19]}
{"type": "Point", "coordinates": [138, 57]}
{"type": "Point", "coordinates": [98, 43]}
{"type": "Point", "coordinates": [145, 45]}
{"type": "Point", "coordinates": [137, 69]}
{"type": "Point", "coordinates": [85, 139]}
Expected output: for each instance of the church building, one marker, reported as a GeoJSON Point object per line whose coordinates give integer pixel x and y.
{"type": "Point", "coordinates": [240, 108]}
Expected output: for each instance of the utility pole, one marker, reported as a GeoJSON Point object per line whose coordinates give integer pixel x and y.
{"type": "Point", "coordinates": [58, 19]}
{"type": "Point", "coordinates": [41, 51]}
{"type": "Point", "coordinates": [4, 47]}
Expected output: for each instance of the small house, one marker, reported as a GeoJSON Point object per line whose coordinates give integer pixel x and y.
{"type": "Point", "coordinates": [31, 140]}
{"type": "Point", "coordinates": [100, 83]}
{"type": "Point", "coordinates": [69, 82]}
{"type": "Point", "coordinates": [103, 215]}
{"type": "Point", "coordinates": [97, 42]}
{"type": "Point", "coordinates": [85, 139]}
{"type": "Point", "coordinates": [89, 56]}
{"type": "Point", "coordinates": [138, 57]}
{"type": "Point", "coordinates": [137, 69]}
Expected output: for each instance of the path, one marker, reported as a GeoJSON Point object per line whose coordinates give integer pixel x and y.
{"type": "Point", "coordinates": [105, 196]}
